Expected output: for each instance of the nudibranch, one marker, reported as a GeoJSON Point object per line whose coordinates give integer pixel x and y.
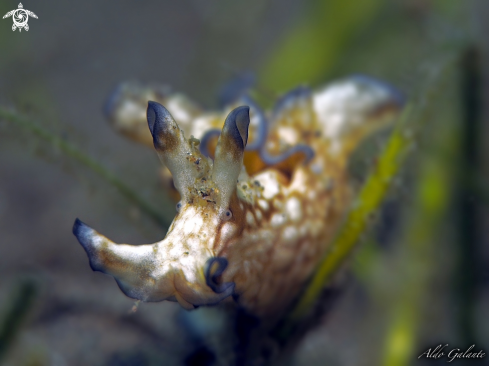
{"type": "Point", "coordinates": [260, 198]}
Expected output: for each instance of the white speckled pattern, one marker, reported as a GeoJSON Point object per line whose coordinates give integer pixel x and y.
{"type": "Point", "coordinates": [271, 224]}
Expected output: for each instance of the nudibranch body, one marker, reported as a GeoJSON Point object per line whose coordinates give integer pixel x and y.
{"type": "Point", "coordinates": [257, 212]}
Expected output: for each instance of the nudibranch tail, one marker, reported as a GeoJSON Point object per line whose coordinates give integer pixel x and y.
{"type": "Point", "coordinates": [228, 159]}
{"type": "Point", "coordinates": [395, 96]}
{"type": "Point", "coordinates": [349, 110]}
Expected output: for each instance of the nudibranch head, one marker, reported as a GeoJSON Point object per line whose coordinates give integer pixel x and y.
{"type": "Point", "coordinates": [184, 266]}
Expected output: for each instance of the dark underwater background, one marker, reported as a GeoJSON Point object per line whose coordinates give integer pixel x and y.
{"type": "Point", "coordinates": [419, 275]}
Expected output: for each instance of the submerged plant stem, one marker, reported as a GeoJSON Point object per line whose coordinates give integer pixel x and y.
{"type": "Point", "coordinates": [15, 314]}
{"type": "Point", "coordinates": [368, 201]}
{"type": "Point", "coordinates": [469, 262]}
{"type": "Point", "coordinates": [86, 161]}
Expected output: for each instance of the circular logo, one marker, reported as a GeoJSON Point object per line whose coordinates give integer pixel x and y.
{"type": "Point", "coordinates": [20, 18]}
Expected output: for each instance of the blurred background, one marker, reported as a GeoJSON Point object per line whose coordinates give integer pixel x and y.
{"type": "Point", "coordinates": [420, 274]}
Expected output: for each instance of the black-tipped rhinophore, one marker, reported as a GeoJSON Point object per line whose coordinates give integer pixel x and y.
{"type": "Point", "coordinates": [163, 127]}
{"type": "Point", "coordinates": [158, 119]}
{"type": "Point", "coordinates": [228, 160]}
{"type": "Point", "coordinates": [261, 130]}
{"type": "Point", "coordinates": [213, 269]}
{"type": "Point", "coordinates": [83, 233]}
{"type": "Point", "coordinates": [172, 147]}
{"type": "Point", "coordinates": [236, 126]}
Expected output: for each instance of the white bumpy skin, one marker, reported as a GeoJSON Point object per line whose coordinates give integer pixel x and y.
{"type": "Point", "coordinates": [184, 266]}
{"type": "Point", "coordinates": [252, 223]}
